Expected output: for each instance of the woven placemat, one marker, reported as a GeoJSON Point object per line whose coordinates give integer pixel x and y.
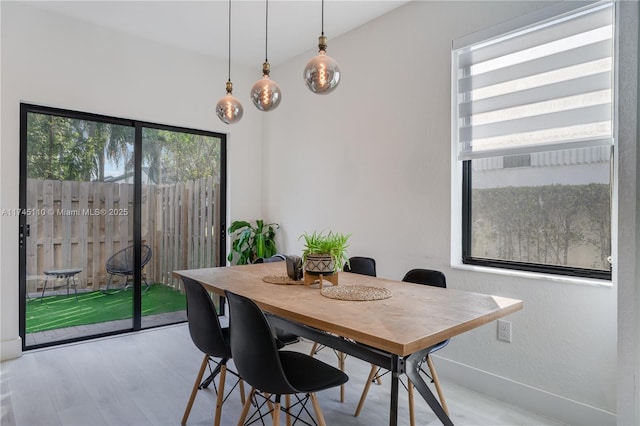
{"type": "Point", "coordinates": [281, 279]}
{"type": "Point", "coordinates": [356, 292]}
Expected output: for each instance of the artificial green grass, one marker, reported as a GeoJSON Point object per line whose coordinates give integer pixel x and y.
{"type": "Point", "coordinates": [53, 312]}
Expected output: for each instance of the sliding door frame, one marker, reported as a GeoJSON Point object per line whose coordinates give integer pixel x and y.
{"type": "Point", "coordinates": [138, 127]}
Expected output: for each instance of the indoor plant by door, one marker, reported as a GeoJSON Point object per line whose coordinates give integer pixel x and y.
{"type": "Point", "coordinates": [252, 242]}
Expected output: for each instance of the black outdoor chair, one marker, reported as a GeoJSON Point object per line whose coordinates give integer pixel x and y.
{"type": "Point", "coordinates": [272, 373]}
{"type": "Point", "coordinates": [121, 264]}
{"type": "Point", "coordinates": [212, 340]}
{"type": "Point", "coordinates": [416, 276]}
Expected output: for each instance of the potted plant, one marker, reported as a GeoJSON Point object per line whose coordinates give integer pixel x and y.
{"type": "Point", "coordinates": [324, 253]}
{"type": "Point", "coordinates": [252, 242]}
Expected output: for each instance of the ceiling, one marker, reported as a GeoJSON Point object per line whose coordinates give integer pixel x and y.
{"type": "Point", "coordinates": [202, 26]}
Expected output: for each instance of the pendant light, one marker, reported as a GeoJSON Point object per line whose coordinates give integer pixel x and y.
{"type": "Point", "coordinates": [265, 93]}
{"type": "Point", "coordinates": [229, 109]}
{"type": "Point", "coordinates": [322, 73]}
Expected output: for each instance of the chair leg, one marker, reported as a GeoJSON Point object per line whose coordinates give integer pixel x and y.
{"type": "Point", "coordinates": [223, 376]}
{"type": "Point", "coordinates": [276, 413]}
{"type": "Point", "coordinates": [109, 281]}
{"type": "Point", "coordinates": [126, 282]}
{"type": "Point", "coordinates": [241, 384]}
{"type": "Point", "coordinates": [313, 348]}
{"type": "Point", "coordinates": [192, 398]}
{"type": "Point", "coordinates": [316, 408]}
{"type": "Point", "coordinates": [146, 284]}
{"type": "Point", "coordinates": [269, 403]}
{"type": "Point", "coordinates": [436, 382]}
{"type": "Point", "coordinates": [412, 417]}
{"type": "Point", "coordinates": [367, 385]}
{"type": "Point", "coordinates": [245, 407]}
{"type": "Point", "coordinates": [287, 401]}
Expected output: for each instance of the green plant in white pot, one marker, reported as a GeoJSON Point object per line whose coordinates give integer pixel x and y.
{"type": "Point", "coordinates": [324, 253]}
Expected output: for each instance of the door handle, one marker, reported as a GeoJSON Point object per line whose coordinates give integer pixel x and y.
{"type": "Point", "coordinates": [25, 231]}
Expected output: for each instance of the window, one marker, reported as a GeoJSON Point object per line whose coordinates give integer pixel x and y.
{"type": "Point", "coordinates": [533, 125]}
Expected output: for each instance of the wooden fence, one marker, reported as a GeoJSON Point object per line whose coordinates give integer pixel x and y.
{"type": "Point", "coordinates": [81, 224]}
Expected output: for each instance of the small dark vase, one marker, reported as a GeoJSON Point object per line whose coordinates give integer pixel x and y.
{"type": "Point", "coordinates": [294, 267]}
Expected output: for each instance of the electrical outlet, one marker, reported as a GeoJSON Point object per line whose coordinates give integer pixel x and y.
{"type": "Point", "coordinates": [504, 331]}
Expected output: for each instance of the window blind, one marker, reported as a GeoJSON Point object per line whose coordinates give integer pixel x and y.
{"type": "Point", "coordinates": [545, 87]}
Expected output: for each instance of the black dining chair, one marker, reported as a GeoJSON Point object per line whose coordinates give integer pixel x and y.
{"type": "Point", "coordinates": [284, 337]}
{"type": "Point", "coordinates": [361, 265]}
{"type": "Point", "coordinates": [270, 372]}
{"type": "Point", "coordinates": [213, 341]}
{"type": "Point", "coordinates": [427, 277]}
{"type": "Point", "coordinates": [357, 265]}
{"type": "Point", "coordinates": [275, 258]}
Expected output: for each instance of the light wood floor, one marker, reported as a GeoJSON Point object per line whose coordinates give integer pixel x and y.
{"type": "Point", "coordinates": [145, 379]}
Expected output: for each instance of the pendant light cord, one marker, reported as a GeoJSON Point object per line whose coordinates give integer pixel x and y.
{"type": "Point", "coordinates": [229, 56]}
{"type": "Point", "coordinates": [322, 18]}
{"type": "Point", "coordinates": [266, 31]}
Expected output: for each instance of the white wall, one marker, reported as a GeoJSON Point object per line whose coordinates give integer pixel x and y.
{"type": "Point", "coordinates": [373, 159]}
{"type": "Point", "coordinates": [51, 60]}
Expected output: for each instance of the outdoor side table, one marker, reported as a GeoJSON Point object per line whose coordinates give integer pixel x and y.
{"type": "Point", "coordinates": [68, 274]}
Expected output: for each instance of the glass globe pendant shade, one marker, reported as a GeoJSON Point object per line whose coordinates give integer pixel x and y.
{"type": "Point", "coordinates": [265, 93]}
{"type": "Point", "coordinates": [229, 109]}
{"type": "Point", "coordinates": [322, 73]}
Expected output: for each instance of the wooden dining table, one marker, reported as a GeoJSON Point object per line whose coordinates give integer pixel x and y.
{"type": "Point", "coordinates": [395, 333]}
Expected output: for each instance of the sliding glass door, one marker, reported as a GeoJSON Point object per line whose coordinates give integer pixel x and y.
{"type": "Point", "coordinates": [182, 196]}
{"type": "Point", "coordinates": [108, 209]}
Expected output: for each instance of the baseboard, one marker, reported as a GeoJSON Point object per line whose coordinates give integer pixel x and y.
{"type": "Point", "coordinates": [10, 349]}
{"type": "Point", "coordinates": [529, 398]}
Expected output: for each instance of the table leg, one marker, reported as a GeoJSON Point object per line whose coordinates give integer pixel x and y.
{"type": "Point", "coordinates": [44, 287]}
{"type": "Point", "coordinates": [412, 371]}
{"type": "Point", "coordinates": [341, 357]}
{"type": "Point", "coordinates": [393, 411]}
{"type": "Point", "coordinates": [75, 287]}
